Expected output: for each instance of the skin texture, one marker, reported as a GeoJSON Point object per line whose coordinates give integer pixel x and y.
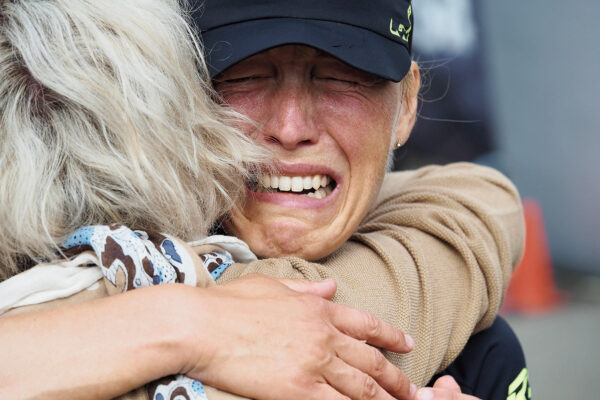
{"type": "Point", "coordinates": [318, 116]}
{"type": "Point", "coordinates": [336, 364]}
{"type": "Point", "coordinates": [445, 388]}
{"type": "Point", "coordinates": [121, 342]}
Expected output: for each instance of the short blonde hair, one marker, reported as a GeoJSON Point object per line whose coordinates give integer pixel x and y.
{"type": "Point", "coordinates": [106, 116]}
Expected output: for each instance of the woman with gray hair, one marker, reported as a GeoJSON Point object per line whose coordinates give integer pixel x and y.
{"type": "Point", "coordinates": [113, 124]}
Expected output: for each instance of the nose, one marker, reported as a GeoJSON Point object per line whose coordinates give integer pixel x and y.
{"type": "Point", "coordinates": [291, 121]}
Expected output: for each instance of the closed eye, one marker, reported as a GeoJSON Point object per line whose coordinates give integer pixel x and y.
{"type": "Point", "coordinates": [336, 84]}
{"type": "Point", "coordinates": [240, 79]}
{"type": "Point", "coordinates": [349, 82]}
{"type": "Point", "coordinates": [343, 81]}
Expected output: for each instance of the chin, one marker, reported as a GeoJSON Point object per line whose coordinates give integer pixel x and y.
{"type": "Point", "coordinates": [290, 249]}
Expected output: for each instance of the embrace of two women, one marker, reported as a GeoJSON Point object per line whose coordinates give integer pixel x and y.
{"type": "Point", "coordinates": [196, 203]}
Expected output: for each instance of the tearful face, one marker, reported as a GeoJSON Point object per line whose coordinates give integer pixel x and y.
{"type": "Point", "coordinates": [331, 127]}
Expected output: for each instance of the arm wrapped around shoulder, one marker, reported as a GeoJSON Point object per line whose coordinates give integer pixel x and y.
{"type": "Point", "coordinates": [461, 233]}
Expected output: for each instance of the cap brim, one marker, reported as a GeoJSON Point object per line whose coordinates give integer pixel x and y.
{"type": "Point", "coordinates": [360, 48]}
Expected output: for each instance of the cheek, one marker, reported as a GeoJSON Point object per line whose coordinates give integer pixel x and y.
{"type": "Point", "coordinates": [362, 129]}
{"type": "Point", "coordinates": [242, 102]}
{"type": "Point", "coordinates": [251, 105]}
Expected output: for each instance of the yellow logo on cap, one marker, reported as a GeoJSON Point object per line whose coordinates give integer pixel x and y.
{"type": "Point", "coordinates": [402, 31]}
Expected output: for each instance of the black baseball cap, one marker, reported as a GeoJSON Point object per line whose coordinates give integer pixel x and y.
{"type": "Point", "coordinates": [371, 35]}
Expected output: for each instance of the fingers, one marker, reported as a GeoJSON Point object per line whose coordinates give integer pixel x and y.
{"type": "Point", "coordinates": [442, 394]}
{"type": "Point", "coordinates": [444, 388]}
{"type": "Point", "coordinates": [355, 384]}
{"type": "Point", "coordinates": [324, 289]}
{"type": "Point", "coordinates": [362, 325]}
{"type": "Point", "coordinates": [329, 393]}
{"type": "Point", "coordinates": [371, 361]}
{"type": "Point", "coordinates": [447, 382]}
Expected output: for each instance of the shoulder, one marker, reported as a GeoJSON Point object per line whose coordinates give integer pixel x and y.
{"type": "Point", "coordinates": [460, 184]}
{"type": "Point", "coordinates": [447, 175]}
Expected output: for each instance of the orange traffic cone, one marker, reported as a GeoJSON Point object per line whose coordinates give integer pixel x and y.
{"type": "Point", "coordinates": [532, 289]}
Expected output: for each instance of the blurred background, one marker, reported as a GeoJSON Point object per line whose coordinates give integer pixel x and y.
{"type": "Point", "coordinates": [515, 85]}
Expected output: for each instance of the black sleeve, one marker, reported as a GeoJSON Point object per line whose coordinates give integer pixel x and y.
{"type": "Point", "coordinates": [492, 365]}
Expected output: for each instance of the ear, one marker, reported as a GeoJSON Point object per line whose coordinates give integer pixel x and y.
{"type": "Point", "coordinates": [409, 88]}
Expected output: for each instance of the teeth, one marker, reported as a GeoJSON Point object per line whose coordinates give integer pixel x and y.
{"type": "Point", "coordinates": [316, 182]}
{"type": "Point", "coordinates": [297, 184]}
{"type": "Point", "coordinates": [307, 182]}
{"type": "Point", "coordinates": [319, 183]}
{"type": "Point", "coordinates": [266, 180]}
{"type": "Point", "coordinates": [274, 181]}
{"type": "Point", "coordinates": [319, 194]}
{"type": "Point", "coordinates": [285, 183]}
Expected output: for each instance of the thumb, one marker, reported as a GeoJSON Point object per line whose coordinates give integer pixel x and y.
{"type": "Point", "coordinates": [447, 382]}
{"type": "Point", "coordinates": [325, 288]}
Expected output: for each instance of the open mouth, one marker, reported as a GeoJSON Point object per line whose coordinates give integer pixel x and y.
{"type": "Point", "coordinates": [314, 186]}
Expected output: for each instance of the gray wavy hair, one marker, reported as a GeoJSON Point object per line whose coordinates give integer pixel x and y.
{"type": "Point", "coordinates": [106, 116]}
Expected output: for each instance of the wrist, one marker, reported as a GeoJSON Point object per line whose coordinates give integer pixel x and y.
{"type": "Point", "coordinates": [107, 346]}
{"type": "Point", "coordinates": [189, 341]}
{"type": "Point", "coordinates": [168, 328]}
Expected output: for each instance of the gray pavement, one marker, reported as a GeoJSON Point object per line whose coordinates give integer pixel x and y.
{"type": "Point", "coordinates": [562, 347]}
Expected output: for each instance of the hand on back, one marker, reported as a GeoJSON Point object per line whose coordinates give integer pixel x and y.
{"type": "Point", "coordinates": [302, 344]}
